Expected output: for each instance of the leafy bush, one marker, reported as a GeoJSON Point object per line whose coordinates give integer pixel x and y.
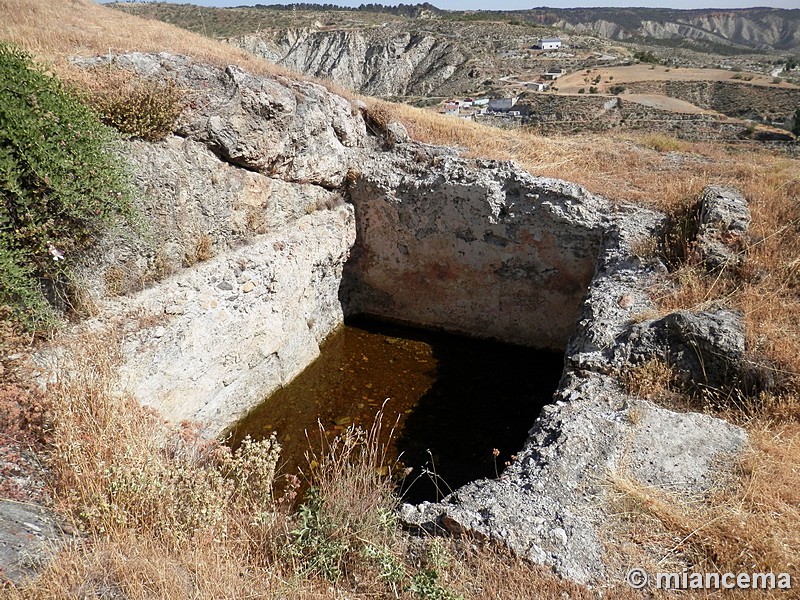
{"type": "Point", "coordinates": [617, 89]}
{"type": "Point", "coordinates": [136, 106]}
{"type": "Point", "coordinates": [646, 57]}
{"type": "Point", "coordinates": [60, 183]}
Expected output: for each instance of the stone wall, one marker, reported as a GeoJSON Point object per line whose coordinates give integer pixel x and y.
{"type": "Point", "coordinates": [476, 247]}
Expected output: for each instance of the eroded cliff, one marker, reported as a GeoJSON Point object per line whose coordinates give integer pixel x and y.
{"type": "Point", "coordinates": [378, 62]}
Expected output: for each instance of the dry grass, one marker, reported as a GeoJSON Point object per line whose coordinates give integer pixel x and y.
{"type": "Point", "coordinates": [750, 528]}
{"type": "Point", "coordinates": [664, 143]}
{"type": "Point", "coordinates": [165, 515]}
{"type": "Point", "coordinates": [136, 106]}
{"type": "Point", "coordinates": [57, 29]}
{"type": "Point", "coordinates": [652, 380]}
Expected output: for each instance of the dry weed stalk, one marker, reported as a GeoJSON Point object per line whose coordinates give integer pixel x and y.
{"type": "Point", "coordinates": [138, 486]}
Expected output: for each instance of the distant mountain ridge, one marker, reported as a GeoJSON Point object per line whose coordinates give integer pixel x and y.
{"type": "Point", "coordinates": [729, 30]}
{"type": "Point", "coordinates": [755, 28]}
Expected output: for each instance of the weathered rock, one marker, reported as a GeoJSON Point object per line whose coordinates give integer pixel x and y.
{"type": "Point", "coordinates": [396, 133]}
{"type": "Point", "coordinates": [292, 129]}
{"type": "Point", "coordinates": [670, 451]}
{"type": "Point", "coordinates": [29, 536]}
{"type": "Point", "coordinates": [477, 247]}
{"type": "Point", "coordinates": [194, 351]}
{"type": "Point", "coordinates": [191, 206]}
{"type": "Point", "coordinates": [552, 505]}
{"type": "Point", "coordinates": [705, 348]}
{"type": "Point", "coordinates": [724, 221]}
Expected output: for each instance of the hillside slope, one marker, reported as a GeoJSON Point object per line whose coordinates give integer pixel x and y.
{"type": "Point", "coordinates": [377, 62]}
{"type": "Point", "coordinates": [755, 28]}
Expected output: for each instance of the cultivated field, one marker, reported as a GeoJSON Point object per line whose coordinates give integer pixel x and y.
{"type": "Point", "coordinates": [609, 76]}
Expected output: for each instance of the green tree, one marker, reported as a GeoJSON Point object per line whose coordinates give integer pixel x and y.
{"type": "Point", "coordinates": [796, 128]}
{"type": "Point", "coordinates": [61, 182]}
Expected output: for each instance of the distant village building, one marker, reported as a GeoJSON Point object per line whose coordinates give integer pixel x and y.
{"type": "Point", "coordinates": [553, 73]}
{"type": "Point", "coordinates": [480, 102]}
{"type": "Point", "coordinates": [451, 108]}
{"type": "Point", "coordinates": [549, 43]}
{"type": "Point", "coordinates": [502, 104]}
{"type": "Point", "coordinates": [538, 86]}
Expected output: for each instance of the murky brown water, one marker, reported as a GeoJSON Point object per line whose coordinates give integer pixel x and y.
{"type": "Point", "coordinates": [457, 399]}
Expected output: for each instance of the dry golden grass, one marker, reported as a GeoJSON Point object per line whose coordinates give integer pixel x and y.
{"type": "Point", "coordinates": [57, 29]}
{"type": "Point", "coordinates": [749, 528]}
{"type": "Point", "coordinates": [165, 515]}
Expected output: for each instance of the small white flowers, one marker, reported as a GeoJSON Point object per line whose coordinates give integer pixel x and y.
{"type": "Point", "coordinates": [54, 252]}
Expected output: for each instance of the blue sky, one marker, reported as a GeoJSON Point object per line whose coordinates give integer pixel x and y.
{"type": "Point", "coordinates": [518, 4]}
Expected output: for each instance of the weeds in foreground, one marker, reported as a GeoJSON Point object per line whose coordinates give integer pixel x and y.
{"type": "Point", "coordinates": [748, 528]}
{"type": "Point", "coordinates": [134, 105]}
{"type": "Point", "coordinates": [165, 514]}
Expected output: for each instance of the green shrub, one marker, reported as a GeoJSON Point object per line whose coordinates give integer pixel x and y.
{"type": "Point", "coordinates": [646, 57]}
{"type": "Point", "coordinates": [136, 106]}
{"type": "Point", "coordinates": [617, 89]}
{"type": "Point", "coordinates": [61, 182]}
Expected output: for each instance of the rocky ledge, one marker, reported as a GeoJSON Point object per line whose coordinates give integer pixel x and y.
{"type": "Point", "coordinates": [552, 504]}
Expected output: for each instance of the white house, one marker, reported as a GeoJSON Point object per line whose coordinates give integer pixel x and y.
{"type": "Point", "coordinates": [480, 102]}
{"type": "Point", "coordinates": [502, 104]}
{"type": "Point", "coordinates": [451, 108]}
{"type": "Point", "coordinates": [549, 43]}
{"type": "Point", "coordinates": [539, 86]}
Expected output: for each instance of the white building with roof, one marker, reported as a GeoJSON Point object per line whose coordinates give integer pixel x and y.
{"type": "Point", "coordinates": [549, 43]}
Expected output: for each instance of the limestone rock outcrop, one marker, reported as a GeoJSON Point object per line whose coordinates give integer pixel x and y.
{"type": "Point", "coordinates": [241, 243]}
{"type": "Point", "coordinates": [551, 504]}
{"type": "Point", "coordinates": [724, 221]}
{"type": "Point", "coordinates": [476, 247]}
{"type": "Point", "coordinates": [211, 342]}
{"type": "Point", "coordinates": [291, 129]}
